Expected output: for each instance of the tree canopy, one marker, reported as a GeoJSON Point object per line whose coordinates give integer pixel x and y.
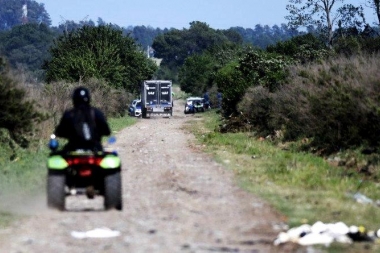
{"type": "Point", "coordinates": [324, 14]}
{"type": "Point", "coordinates": [176, 45]}
{"type": "Point", "coordinates": [101, 52]}
{"type": "Point", "coordinates": [26, 46]}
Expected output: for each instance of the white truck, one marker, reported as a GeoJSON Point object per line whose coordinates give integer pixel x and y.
{"type": "Point", "coordinates": [156, 98]}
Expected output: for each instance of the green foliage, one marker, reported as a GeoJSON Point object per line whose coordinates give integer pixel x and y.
{"type": "Point", "coordinates": [232, 84]}
{"type": "Point", "coordinates": [17, 115]}
{"type": "Point", "coordinates": [254, 68]}
{"type": "Point", "coordinates": [11, 13]}
{"type": "Point", "coordinates": [27, 45]}
{"type": "Point", "coordinates": [197, 74]}
{"type": "Point", "coordinates": [176, 45]}
{"type": "Point", "coordinates": [347, 46]}
{"type": "Point", "coordinates": [304, 48]}
{"type": "Point", "coordinates": [263, 68]}
{"type": "Point", "coordinates": [335, 105]}
{"type": "Point", "coordinates": [194, 74]}
{"type": "Point", "coordinates": [256, 107]}
{"type": "Point", "coordinates": [263, 36]}
{"type": "Point", "coordinates": [101, 52]}
{"type": "Point", "coordinates": [371, 45]}
{"type": "Point", "coordinates": [144, 35]}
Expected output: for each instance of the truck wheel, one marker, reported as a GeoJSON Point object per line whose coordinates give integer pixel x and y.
{"type": "Point", "coordinates": [113, 191]}
{"type": "Point", "coordinates": [56, 191]}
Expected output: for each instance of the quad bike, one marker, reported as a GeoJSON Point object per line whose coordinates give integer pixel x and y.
{"type": "Point", "coordinates": [83, 172]}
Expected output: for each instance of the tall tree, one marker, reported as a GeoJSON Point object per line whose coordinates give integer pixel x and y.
{"type": "Point", "coordinates": [375, 5]}
{"type": "Point", "coordinates": [324, 14]}
{"type": "Point", "coordinates": [101, 52]}
{"type": "Point", "coordinates": [11, 13]}
{"type": "Point", "coordinates": [175, 45]}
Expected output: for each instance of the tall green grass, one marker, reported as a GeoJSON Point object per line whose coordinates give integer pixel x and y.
{"type": "Point", "coordinates": [304, 187]}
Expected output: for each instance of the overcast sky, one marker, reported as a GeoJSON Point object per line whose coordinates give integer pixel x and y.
{"type": "Point", "coordinates": [218, 14]}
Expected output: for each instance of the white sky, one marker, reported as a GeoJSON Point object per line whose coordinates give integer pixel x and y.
{"type": "Point", "coordinates": [218, 14]}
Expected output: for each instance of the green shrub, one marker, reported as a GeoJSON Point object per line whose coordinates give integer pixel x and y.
{"type": "Point", "coordinates": [337, 104]}
{"type": "Point", "coordinates": [255, 68]}
{"type": "Point", "coordinates": [18, 115]}
{"type": "Point", "coordinates": [256, 107]}
{"type": "Point", "coordinates": [347, 46]}
{"type": "Point", "coordinates": [303, 49]}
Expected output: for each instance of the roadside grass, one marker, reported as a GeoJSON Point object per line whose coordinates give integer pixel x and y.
{"type": "Point", "coordinates": [25, 174]}
{"type": "Point", "coordinates": [302, 186]}
{"type": "Point", "coordinates": [118, 124]}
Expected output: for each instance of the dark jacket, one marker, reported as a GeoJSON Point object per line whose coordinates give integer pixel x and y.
{"type": "Point", "coordinates": [67, 128]}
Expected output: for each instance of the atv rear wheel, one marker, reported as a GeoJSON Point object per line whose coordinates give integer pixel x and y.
{"type": "Point", "coordinates": [56, 191]}
{"type": "Point", "coordinates": [113, 191]}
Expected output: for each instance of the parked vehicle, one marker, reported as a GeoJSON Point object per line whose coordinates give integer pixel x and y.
{"type": "Point", "coordinates": [135, 108]}
{"type": "Point", "coordinates": [193, 105]}
{"type": "Point", "coordinates": [156, 98]}
{"type": "Point", "coordinates": [83, 172]}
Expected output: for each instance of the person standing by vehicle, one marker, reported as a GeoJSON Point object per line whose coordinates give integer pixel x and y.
{"type": "Point", "coordinates": [206, 99]}
{"type": "Point", "coordinates": [83, 125]}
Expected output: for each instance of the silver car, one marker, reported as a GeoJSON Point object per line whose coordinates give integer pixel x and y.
{"type": "Point", "coordinates": [135, 108]}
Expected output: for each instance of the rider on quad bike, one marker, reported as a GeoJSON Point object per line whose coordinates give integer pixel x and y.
{"type": "Point", "coordinates": [83, 125]}
{"type": "Point", "coordinates": [82, 166]}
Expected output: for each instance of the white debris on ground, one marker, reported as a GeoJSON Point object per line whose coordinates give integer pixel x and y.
{"type": "Point", "coordinates": [95, 233]}
{"type": "Point", "coordinates": [362, 199]}
{"type": "Point", "coordinates": [326, 233]}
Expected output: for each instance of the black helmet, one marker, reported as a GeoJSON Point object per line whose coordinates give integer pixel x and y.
{"type": "Point", "coordinates": [81, 96]}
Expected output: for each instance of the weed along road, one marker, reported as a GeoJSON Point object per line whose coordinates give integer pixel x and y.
{"type": "Point", "coordinates": [176, 199]}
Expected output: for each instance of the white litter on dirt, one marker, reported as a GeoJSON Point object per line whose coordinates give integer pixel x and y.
{"type": "Point", "coordinates": [327, 233]}
{"type": "Point", "coordinates": [95, 233]}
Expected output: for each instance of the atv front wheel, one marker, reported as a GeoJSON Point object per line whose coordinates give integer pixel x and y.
{"type": "Point", "coordinates": [113, 191]}
{"type": "Point", "coordinates": [56, 191]}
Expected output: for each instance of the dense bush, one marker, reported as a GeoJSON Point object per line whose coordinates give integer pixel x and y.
{"type": "Point", "coordinates": [18, 114]}
{"type": "Point", "coordinates": [232, 84]}
{"type": "Point", "coordinates": [255, 68]}
{"type": "Point", "coordinates": [305, 48]}
{"type": "Point", "coordinates": [26, 46]}
{"type": "Point", "coordinates": [335, 104]}
{"type": "Point", "coordinates": [195, 73]}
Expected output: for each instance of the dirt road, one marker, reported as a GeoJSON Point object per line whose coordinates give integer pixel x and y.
{"type": "Point", "coordinates": [176, 199]}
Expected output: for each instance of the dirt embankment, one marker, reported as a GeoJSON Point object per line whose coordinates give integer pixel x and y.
{"type": "Point", "coordinates": [176, 199]}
